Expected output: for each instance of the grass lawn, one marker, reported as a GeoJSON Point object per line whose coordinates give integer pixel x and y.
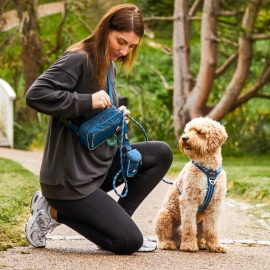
{"type": "Point", "coordinates": [17, 186]}
{"type": "Point", "coordinates": [248, 178]}
{"type": "Point", "coordinates": [248, 181]}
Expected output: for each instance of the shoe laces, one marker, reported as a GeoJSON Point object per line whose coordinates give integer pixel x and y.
{"type": "Point", "coordinates": [46, 229]}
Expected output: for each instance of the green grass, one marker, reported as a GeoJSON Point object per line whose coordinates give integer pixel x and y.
{"type": "Point", "coordinates": [248, 178]}
{"type": "Point", "coordinates": [16, 189]}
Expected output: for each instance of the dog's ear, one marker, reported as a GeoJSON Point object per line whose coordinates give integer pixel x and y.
{"type": "Point", "coordinates": [217, 136]}
{"type": "Point", "coordinates": [222, 134]}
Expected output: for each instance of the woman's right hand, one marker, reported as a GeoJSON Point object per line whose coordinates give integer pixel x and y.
{"type": "Point", "coordinates": [101, 100]}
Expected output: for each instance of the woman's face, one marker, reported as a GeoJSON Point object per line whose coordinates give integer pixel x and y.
{"type": "Point", "coordinates": [121, 43]}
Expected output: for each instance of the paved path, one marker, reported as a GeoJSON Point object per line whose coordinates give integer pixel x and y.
{"type": "Point", "coordinates": [248, 240]}
{"type": "Point", "coordinates": [12, 20]}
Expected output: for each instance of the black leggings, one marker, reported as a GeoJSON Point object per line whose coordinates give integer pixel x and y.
{"type": "Point", "coordinates": [108, 223]}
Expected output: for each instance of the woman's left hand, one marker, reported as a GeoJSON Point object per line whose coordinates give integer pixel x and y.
{"type": "Point", "coordinates": [127, 112]}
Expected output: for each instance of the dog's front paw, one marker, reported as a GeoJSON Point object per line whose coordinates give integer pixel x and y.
{"type": "Point", "coordinates": [217, 248]}
{"type": "Point", "coordinates": [167, 245]}
{"type": "Point", "coordinates": [189, 247]}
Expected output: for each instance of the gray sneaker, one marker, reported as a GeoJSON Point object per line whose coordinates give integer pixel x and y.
{"type": "Point", "coordinates": [40, 223]}
{"type": "Point", "coordinates": [147, 246]}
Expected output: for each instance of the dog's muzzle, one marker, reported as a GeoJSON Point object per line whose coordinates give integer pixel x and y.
{"type": "Point", "coordinates": [185, 144]}
{"type": "Point", "coordinates": [184, 139]}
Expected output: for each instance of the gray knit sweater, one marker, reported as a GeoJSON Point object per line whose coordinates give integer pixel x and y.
{"type": "Point", "coordinates": [69, 170]}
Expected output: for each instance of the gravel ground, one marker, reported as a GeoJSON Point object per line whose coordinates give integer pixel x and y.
{"type": "Point", "coordinates": [247, 240]}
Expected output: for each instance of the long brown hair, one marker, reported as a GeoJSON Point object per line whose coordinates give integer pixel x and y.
{"type": "Point", "coordinates": [121, 18]}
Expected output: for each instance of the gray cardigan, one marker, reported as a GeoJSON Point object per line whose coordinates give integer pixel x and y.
{"type": "Point", "coordinates": [69, 170]}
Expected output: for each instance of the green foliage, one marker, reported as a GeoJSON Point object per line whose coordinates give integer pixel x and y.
{"type": "Point", "coordinates": [31, 135]}
{"type": "Point", "coordinates": [16, 188]}
{"type": "Point", "coordinates": [156, 8]}
{"type": "Point", "coordinates": [248, 132]}
{"type": "Point", "coordinates": [149, 101]}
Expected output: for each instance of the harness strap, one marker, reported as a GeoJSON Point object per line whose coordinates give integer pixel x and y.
{"type": "Point", "coordinates": [211, 180]}
{"type": "Point", "coordinates": [70, 125]}
{"type": "Point", "coordinates": [110, 86]}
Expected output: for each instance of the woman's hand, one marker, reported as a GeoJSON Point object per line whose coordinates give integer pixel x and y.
{"type": "Point", "coordinates": [127, 112]}
{"type": "Point", "coordinates": [101, 100]}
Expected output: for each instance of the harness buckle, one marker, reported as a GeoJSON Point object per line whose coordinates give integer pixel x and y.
{"type": "Point", "coordinates": [212, 181]}
{"type": "Point", "coordinates": [212, 177]}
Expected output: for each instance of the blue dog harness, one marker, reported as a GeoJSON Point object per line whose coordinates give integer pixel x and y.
{"type": "Point", "coordinates": [211, 180]}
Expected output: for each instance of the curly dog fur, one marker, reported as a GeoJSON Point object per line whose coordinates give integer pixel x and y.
{"type": "Point", "coordinates": [178, 223]}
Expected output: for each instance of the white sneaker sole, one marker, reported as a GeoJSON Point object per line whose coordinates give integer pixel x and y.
{"type": "Point", "coordinates": [27, 229]}
{"type": "Point", "coordinates": [148, 246]}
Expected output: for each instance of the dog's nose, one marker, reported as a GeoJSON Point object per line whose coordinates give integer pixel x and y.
{"type": "Point", "coordinates": [184, 139]}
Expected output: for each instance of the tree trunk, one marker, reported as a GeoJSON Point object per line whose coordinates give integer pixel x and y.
{"type": "Point", "coordinates": [182, 76]}
{"type": "Point", "coordinates": [243, 64]}
{"type": "Point", "coordinates": [190, 99]}
{"type": "Point", "coordinates": [33, 53]}
{"type": "Point", "coordinates": [197, 99]}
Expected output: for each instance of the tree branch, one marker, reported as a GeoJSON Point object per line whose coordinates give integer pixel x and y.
{"type": "Point", "coordinates": [225, 41]}
{"type": "Point", "coordinates": [260, 36]}
{"type": "Point", "coordinates": [194, 8]}
{"type": "Point", "coordinates": [252, 92]}
{"type": "Point", "coordinates": [60, 30]}
{"type": "Point", "coordinates": [225, 65]}
{"type": "Point", "coordinates": [233, 24]}
{"type": "Point", "coordinates": [262, 96]}
{"type": "Point", "coordinates": [194, 18]}
{"type": "Point", "coordinates": [230, 13]}
{"type": "Point", "coordinates": [162, 78]}
{"type": "Point", "coordinates": [240, 75]}
{"type": "Point", "coordinates": [83, 21]}
{"type": "Point", "coordinates": [200, 93]}
{"type": "Point", "coordinates": [166, 49]}
{"type": "Point", "coordinates": [172, 18]}
{"type": "Point", "coordinates": [154, 18]}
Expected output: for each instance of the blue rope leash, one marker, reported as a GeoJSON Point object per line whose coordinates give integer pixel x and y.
{"type": "Point", "coordinates": [123, 137]}
{"type": "Point", "coordinates": [146, 138]}
{"type": "Point", "coordinates": [121, 163]}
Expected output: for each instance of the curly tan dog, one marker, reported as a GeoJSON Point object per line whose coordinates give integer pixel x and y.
{"type": "Point", "coordinates": [177, 221]}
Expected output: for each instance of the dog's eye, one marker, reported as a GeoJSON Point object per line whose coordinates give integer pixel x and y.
{"type": "Point", "coordinates": [199, 132]}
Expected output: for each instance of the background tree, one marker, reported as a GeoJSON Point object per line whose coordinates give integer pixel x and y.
{"type": "Point", "coordinates": [228, 35]}
{"type": "Point", "coordinates": [33, 56]}
{"type": "Point", "coordinates": [196, 90]}
{"type": "Point", "coordinates": [35, 53]}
